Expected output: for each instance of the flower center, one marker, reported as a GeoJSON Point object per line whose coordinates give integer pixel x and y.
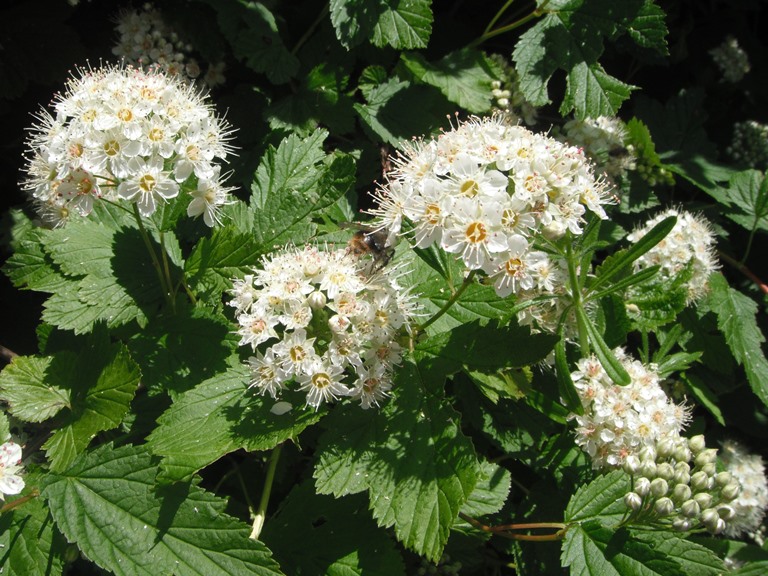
{"type": "Point", "coordinates": [469, 188]}
{"type": "Point", "coordinates": [321, 380]}
{"type": "Point", "coordinates": [112, 148]}
{"type": "Point", "coordinates": [297, 354]}
{"type": "Point", "coordinates": [147, 182]}
{"type": "Point", "coordinates": [476, 232]}
{"type": "Point", "coordinates": [125, 115]}
{"type": "Point", "coordinates": [432, 214]}
{"type": "Point", "coordinates": [156, 134]}
{"type": "Point", "coordinates": [513, 266]}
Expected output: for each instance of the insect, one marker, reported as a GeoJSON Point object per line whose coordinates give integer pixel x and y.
{"type": "Point", "coordinates": [367, 240]}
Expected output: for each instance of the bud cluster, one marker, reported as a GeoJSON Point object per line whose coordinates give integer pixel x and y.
{"type": "Point", "coordinates": [604, 140]}
{"type": "Point", "coordinates": [677, 483]}
{"type": "Point", "coordinates": [749, 145]}
{"type": "Point", "coordinates": [508, 98]}
{"type": "Point", "coordinates": [731, 59]}
{"type": "Point", "coordinates": [314, 320]}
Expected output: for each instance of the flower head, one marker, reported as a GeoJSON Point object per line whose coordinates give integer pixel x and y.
{"type": "Point", "coordinates": [691, 244]}
{"type": "Point", "coordinates": [10, 466]}
{"type": "Point", "coordinates": [487, 192]}
{"type": "Point", "coordinates": [122, 134]}
{"type": "Point", "coordinates": [750, 505]}
{"type": "Point", "coordinates": [731, 59]}
{"type": "Point", "coordinates": [314, 321]}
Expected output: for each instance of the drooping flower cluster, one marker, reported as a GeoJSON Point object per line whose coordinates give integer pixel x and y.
{"type": "Point", "coordinates": [731, 59]}
{"type": "Point", "coordinates": [486, 191]}
{"type": "Point", "coordinates": [604, 141]}
{"type": "Point", "coordinates": [676, 484]}
{"type": "Point", "coordinates": [620, 421]}
{"type": "Point", "coordinates": [315, 321]}
{"type": "Point", "coordinates": [749, 470]}
{"type": "Point", "coordinates": [10, 467]}
{"type": "Point", "coordinates": [689, 248]}
{"type": "Point", "coordinates": [127, 136]}
{"type": "Point", "coordinates": [146, 40]}
{"type": "Point", "coordinates": [749, 145]}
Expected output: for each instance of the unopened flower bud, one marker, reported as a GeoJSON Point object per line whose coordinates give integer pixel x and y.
{"type": "Point", "coordinates": [690, 508]}
{"type": "Point", "coordinates": [643, 486]}
{"type": "Point", "coordinates": [730, 492]}
{"type": "Point", "coordinates": [682, 478]}
{"type": "Point", "coordinates": [665, 448]}
{"type": "Point", "coordinates": [317, 300]}
{"type": "Point", "coordinates": [697, 443]}
{"type": "Point", "coordinates": [726, 512]}
{"type": "Point", "coordinates": [633, 501]}
{"type": "Point", "coordinates": [723, 478]}
{"type": "Point", "coordinates": [682, 454]}
{"type": "Point", "coordinates": [665, 470]}
{"type": "Point", "coordinates": [710, 469]}
{"type": "Point", "coordinates": [681, 493]}
{"type": "Point", "coordinates": [700, 481]}
{"type": "Point", "coordinates": [704, 499]}
{"type": "Point", "coordinates": [664, 506]}
{"type": "Point", "coordinates": [706, 456]}
{"type": "Point", "coordinates": [659, 487]}
{"type": "Point", "coordinates": [712, 521]}
{"type": "Point", "coordinates": [631, 464]}
{"type": "Point", "coordinates": [681, 524]}
{"type": "Point", "coordinates": [648, 468]}
{"type": "Point", "coordinates": [648, 453]}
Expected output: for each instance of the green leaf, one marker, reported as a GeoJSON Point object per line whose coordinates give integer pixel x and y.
{"type": "Point", "coordinates": [463, 76]}
{"type": "Point", "coordinates": [30, 544]}
{"type": "Point", "coordinates": [30, 267]}
{"type": "Point", "coordinates": [38, 388]}
{"type": "Point", "coordinates": [293, 184]}
{"type": "Point", "coordinates": [178, 351]}
{"type": "Point", "coordinates": [403, 24]}
{"type": "Point", "coordinates": [570, 38]}
{"type": "Point", "coordinates": [491, 491]}
{"type": "Point", "coordinates": [736, 320]}
{"type": "Point", "coordinates": [748, 195]}
{"type": "Point", "coordinates": [605, 355]}
{"type": "Point", "coordinates": [108, 504]}
{"type": "Point", "coordinates": [565, 384]}
{"type": "Point", "coordinates": [411, 457]}
{"type": "Point", "coordinates": [252, 32]}
{"type": "Point", "coordinates": [219, 416]}
{"type": "Point", "coordinates": [600, 500]}
{"type": "Point", "coordinates": [649, 29]}
{"type": "Point", "coordinates": [315, 534]}
{"type": "Point", "coordinates": [395, 110]}
{"type": "Point", "coordinates": [692, 558]}
{"type": "Point", "coordinates": [592, 550]}
{"type": "Point", "coordinates": [104, 382]}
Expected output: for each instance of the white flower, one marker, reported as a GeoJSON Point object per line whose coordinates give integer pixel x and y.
{"type": "Point", "coordinates": [690, 243]}
{"type": "Point", "coordinates": [484, 190]}
{"type": "Point", "coordinates": [126, 135]}
{"type": "Point", "coordinates": [750, 505]}
{"type": "Point", "coordinates": [731, 59]}
{"type": "Point", "coordinates": [10, 466]}
{"type": "Point", "coordinates": [316, 322]}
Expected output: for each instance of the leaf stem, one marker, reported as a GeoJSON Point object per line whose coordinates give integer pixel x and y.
{"type": "Point", "coordinates": [155, 261]}
{"type": "Point", "coordinates": [34, 493]}
{"type": "Point", "coordinates": [450, 302]}
{"type": "Point", "coordinates": [505, 530]}
{"type": "Point", "coordinates": [261, 513]}
{"type": "Point", "coordinates": [311, 29]}
{"type": "Point", "coordinates": [488, 34]}
{"type": "Point", "coordinates": [498, 15]}
{"type": "Point", "coordinates": [744, 270]}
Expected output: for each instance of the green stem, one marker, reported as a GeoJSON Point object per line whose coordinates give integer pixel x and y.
{"type": "Point", "coordinates": [487, 35]}
{"type": "Point", "coordinates": [261, 513]}
{"type": "Point", "coordinates": [451, 301]}
{"type": "Point", "coordinates": [744, 270]}
{"type": "Point", "coordinates": [311, 29]}
{"type": "Point", "coordinates": [148, 244]}
{"type": "Point", "coordinates": [34, 493]}
{"type": "Point", "coordinates": [498, 15]}
{"type": "Point", "coordinates": [577, 301]}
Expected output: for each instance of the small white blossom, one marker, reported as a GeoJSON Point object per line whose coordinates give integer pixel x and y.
{"type": "Point", "coordinates": [750, 505]}
{"type": "Point", "coordinates": [731, 59]}
{"type": "Point", "coordinates": [10, 467]}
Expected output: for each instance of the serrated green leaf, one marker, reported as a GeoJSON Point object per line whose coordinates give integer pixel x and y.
{"type": "Point", "coordinates": [103, 383]}
{"type": "Point", "coordinates": [403, 24]}
{"type": "Point", "coordinates": [692, 558]}
{"type": "Point", "coordinates": [252, 32]}
{"type": "Point", "coordinates": [293, 184]}
{"type": "Point", "coordinates": [748, 197]}
{"type": "Point", "coordinates": [463, 76]}
{"type": "Point", "coordinates": [600, 500]}
{"type": "Point", "coordinates": [108, 504]}
{"type": "Point", "coordinates": [219, 416]}
{"type": "Point", "coordinates": [38, 388]}
{"type": "Point", "coordinates": [65, 310]}
{"type": "Point", "coordinates": [411, 457]}
{"type": "Point", "coordinates": [30, 544]}
{"type": "Point", "coordinates": [592, 550]}
{"type": "Point", "coordinates": [5, 428]}
{"type": "Point", "coordinates": [178, 351]}
{"type": "Point", "coordinates": [345, 541]}
{"type": "Point", "coordinates": [591, 92]}
{"type": "Point", "coordinates": [395, 110]}
{"type": "Point", "coordinates": [30, 267]}
{"type": "Point", "coordinates": [649, 29]}
{"type": "Point", "coordinates": [752, 569]}
{"type": "Point", "coordinates": [82, 247]}
{"type": "Point", "coordinates": [491, 491]}
{"type": "Point", "coordinates": [736, 320]}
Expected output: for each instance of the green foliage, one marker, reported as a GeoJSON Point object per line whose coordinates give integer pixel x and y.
{"type": "Point", "coordinates": [403, 24]}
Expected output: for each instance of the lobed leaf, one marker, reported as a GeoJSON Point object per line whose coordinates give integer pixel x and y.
{"type": "Point", "coordinates": [38, 388]}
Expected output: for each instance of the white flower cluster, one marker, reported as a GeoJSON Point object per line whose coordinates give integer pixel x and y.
{"type": "Point", "coordinates": [603, 139]}
{"type": "Point", "coordinates": [126, 135]}
{"type": "Point", "coordinates": [749, 470]}
{"type": "Point", "coordinates": [146, 40]}
{"type": "Point", "coordinates": [620, 421]}
{"type": "Point", "coordinates": [731, 59]}
{"type": "Point", "coordinates": [313, 319]}
{"type": "Point", "coordinates": [487, 191]}
{"type": "Point", "coordinates": [691, 243]}
{"type": "Point", "coordinates": [749, 145]}
{"type": "Point", "coordinates": [10, 466]}
{"type": "Point", "coordinates": [676, 484]}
